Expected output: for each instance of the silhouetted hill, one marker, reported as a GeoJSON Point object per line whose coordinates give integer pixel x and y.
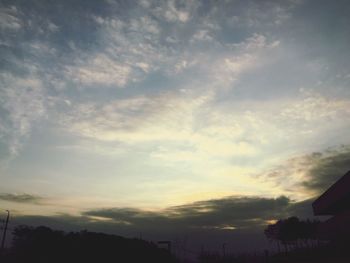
{"type": "Point", "coordinates": [43, 244]}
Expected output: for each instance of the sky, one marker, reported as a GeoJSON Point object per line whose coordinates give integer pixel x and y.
{"type": "Point", "coordinates": [172, 118]}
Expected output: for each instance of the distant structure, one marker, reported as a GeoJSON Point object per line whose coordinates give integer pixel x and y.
{"type": "Point", "coordinates": [167, 243]}
{"type": "Point", "coordinates": [335, 202]}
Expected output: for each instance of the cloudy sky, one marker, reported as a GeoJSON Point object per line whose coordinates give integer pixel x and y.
{"type": "Point", "coordinates": [205, 116]}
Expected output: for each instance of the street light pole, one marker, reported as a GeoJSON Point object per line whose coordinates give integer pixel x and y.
{"type": "Point", "coordinates": [5, 229]}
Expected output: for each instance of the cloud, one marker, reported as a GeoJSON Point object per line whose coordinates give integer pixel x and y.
{"type": "Point", "coordinates": [126, 50]}
{"type": "Point", "coordinates": [237, 212]}
{"type": "Point", "coordinates": [251, 15]}
{"type": "Point", "coordinates": [327, 168]}
{"type": "Point", "coordinates": [315, 107]}
{"type": "Point", "coordinates": [202, 35]}
{"type": "Point", "coordinates": [311, 174]}
{"type": "Point", "coordinates": [238, 220]}
{"type": "Point", "coordinates": [170, 129]}
{"type": "Point", "coordinates": [220, 105]}
{"type": "Point", "coordinates": [172, 11]}
{"type": "Point", "coordinates": [100, 70]}
{"type": "Point", "coordinates": [158, 116]}
{"type": "Point", "coordinates": [21, 198]}
{"type": "Point", "coordinates": [135, 119]}
{"type": "Point", "coordinates": [307, 122]}
{"type": "Point", "coordinates": [9, 19]}
{"type": "Point", "coordinates": [22, 103]}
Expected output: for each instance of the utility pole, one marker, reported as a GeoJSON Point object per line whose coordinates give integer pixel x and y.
{"type": "Point", "coordinates": [224, 250]}
{"type": "Point", "coordinates": [5, 229]}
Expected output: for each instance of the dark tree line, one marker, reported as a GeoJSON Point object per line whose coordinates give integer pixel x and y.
{"type": "Point", "coordinates": [43, 244]}
{"type": "Point", "coordinates": [293, 233]}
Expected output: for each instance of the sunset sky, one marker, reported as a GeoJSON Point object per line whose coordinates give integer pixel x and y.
{"type": "Point", "coordinates": [209, 115]}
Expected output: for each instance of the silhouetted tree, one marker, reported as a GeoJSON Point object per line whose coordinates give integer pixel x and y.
{"type": "Point", "coordinates": [292, 232]}
{"type": "Point", "coordinates": [43, 244]}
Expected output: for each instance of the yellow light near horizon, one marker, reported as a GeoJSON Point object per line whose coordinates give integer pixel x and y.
{"type": "Point", "coordinates": [271, 221]}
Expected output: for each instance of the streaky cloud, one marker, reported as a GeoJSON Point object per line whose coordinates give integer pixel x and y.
{"type": "Point", "coordinates": [21, 198]}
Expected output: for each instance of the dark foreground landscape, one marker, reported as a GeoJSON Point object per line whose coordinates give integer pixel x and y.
{"type": "Point", "coordinates": [42, 244]}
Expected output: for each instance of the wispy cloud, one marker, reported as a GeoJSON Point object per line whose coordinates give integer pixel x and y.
{"type": "Point", "coordinates": [126, 50]}
{"type": "Point", "coordinates": [100, 70]}
{"type": "Point", "coordinates": [21, 198]}
{"type": "Point", "coordinates": [171, 11]}
{"type": "Point", "coordinates": [9, 19]}
{"type": "Point", "coordinates": [22, 103]}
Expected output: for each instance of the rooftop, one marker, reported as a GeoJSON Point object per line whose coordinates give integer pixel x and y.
{"type": "Point", "coordinates": [336, 199]}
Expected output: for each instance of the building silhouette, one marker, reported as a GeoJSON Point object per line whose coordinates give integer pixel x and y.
{"type": "Point", "coordinates": [335, 203]}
